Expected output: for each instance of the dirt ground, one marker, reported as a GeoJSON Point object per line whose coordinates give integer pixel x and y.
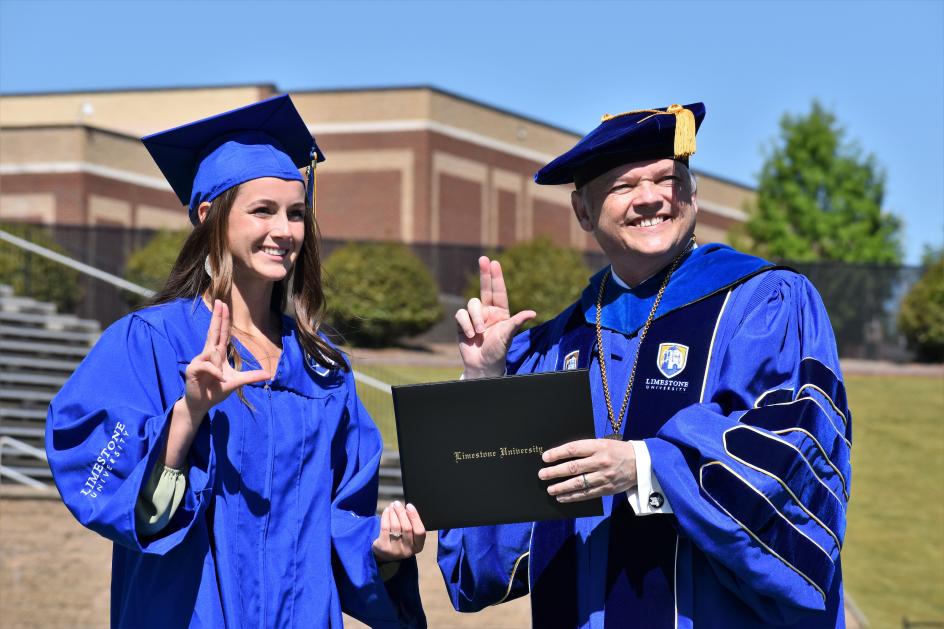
{"type": "Point", "coordinates": [54, 574]}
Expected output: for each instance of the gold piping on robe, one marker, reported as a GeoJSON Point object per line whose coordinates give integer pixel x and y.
{"type": "Point", "coordinates": [511, 579]}
{"type": "Point", "coordinates": [750, 532]}
{"type": "Point", "coordinates": [784, 485]}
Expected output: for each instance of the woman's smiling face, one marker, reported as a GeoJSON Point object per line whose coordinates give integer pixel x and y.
{"type": "Point", "coordinates": [266, 228]}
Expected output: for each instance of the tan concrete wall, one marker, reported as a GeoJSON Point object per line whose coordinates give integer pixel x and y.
{"type": "Point", "coordinates": [18, 146]}
{"type": "Point", "coordinates": [709, 233]}
{"type": "Point", "coordinates": [147, 111]}
{"type": "Point", "coordinates": [501, 126]}
{"type": "Point", "coordinates": [133, 112]}
{"type": "Point", "coordinates": [150, 217]}
{"type": "Point", "coordinates": [104, 210]}
{"type": "Point", "coordinates": [120, 152]}
{"type": "Point", "coordinates": [37, 207]}
{"type": "Point", "coordinates": [362, 106]}
{"type": "Point", "coordinates": [723, 192]}
{"type": "Point", "coordinates": [77, 145]}
{"type": "Point", "coordinates": [419, 142]}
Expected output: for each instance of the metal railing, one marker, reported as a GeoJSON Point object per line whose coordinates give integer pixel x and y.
{"type": "Point", "coordinates": [9, 444]}
{"type": "Point", "coordinates": [390, 477]}
{"type": "Point", "coordinates": [81, 267]}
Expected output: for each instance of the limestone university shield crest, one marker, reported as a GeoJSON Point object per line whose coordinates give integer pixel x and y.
{"type": "Point", "coordinates": [570, 360]}
{"type": "Point", "coordinates": [671, 359]}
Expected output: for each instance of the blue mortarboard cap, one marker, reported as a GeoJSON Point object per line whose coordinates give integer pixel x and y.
{"type": "Point", "coordinates": [634, 136]}
{"type": "Point", "coordinates": [204, 158]}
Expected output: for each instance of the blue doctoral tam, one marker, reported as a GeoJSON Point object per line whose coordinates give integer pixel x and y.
{"type": "Point", "coordinates": [633, 136]}
{"type": "Point", "coordinates": [203, 159]}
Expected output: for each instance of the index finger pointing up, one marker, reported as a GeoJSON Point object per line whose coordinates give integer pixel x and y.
{"type": "Point", "coordinates": [485, 281]}
{"type": "Point", "coordinates": [213, 334]}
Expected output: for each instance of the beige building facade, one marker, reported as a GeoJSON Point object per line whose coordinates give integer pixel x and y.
{"type": "Point", "coordinates": [414, 164]}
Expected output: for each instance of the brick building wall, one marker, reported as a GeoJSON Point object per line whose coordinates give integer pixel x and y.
{"type": "Point", "coordinates": [413, 164]}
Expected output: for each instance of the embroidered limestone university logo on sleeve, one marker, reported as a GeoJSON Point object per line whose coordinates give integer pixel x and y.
{"type": "Point", "coordinates": [671, 359]}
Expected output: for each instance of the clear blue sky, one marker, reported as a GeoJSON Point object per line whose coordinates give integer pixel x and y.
{"type": "Point", "coordinates": [878, 65]}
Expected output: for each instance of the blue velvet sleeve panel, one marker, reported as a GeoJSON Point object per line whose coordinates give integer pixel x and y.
{"type": "Point", "coordinates": [106, 429]}
{"type": "Point", "coordinates": [758, 473]}
{"type": "Point", "coordinates": [355, 451]}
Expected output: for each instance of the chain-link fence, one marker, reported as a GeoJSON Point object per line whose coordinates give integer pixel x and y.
{"type": "Point", "coordinates": [862, 300]}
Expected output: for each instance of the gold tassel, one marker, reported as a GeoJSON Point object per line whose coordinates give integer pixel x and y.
{"type": "Point", "coordinates": [684, 145]}
{"type": "Point", "coordinates": [314, 186]}
{"type": "Point", "coordinates": [311, 186]}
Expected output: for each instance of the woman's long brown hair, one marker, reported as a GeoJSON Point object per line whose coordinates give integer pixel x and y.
{"type": "Point", "coordinates": [188, 278]}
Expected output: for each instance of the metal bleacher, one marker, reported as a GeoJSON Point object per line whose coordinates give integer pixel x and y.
{"type": "Point", "coordinates": [39, 349]}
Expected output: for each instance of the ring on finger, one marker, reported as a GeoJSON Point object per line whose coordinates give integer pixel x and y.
{"type": "Point", "coordinates": [586, 483]}
{"type": "Point", "coordinates": [396, 535]}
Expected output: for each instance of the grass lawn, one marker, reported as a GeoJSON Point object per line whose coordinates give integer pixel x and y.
{"type": "Point", "coordinates": [380, 405]}
{"type": "Point", "coordinates": [893, 558]}
{"type": "Point", "coordinates": [894, 549]}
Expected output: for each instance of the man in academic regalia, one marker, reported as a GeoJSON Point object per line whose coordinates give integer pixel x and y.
{"type": "Point", "coordinates": [723, 433]}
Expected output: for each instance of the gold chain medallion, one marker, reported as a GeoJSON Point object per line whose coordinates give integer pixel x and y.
{"type": "Point", "coordinates": [617, 423]}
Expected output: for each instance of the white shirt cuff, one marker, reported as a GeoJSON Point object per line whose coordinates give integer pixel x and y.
{"type": "Point", "coordinates": [462, 376]}
{"type": "Point", "coordinates": [647, 497]}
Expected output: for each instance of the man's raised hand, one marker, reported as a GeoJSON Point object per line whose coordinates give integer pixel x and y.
{"type": "Point", "coordinates": [485, 325]}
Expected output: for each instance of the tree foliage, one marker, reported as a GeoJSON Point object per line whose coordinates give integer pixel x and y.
{"type": "Point", "coordinates": [379, 292]}
{"type": "Point", "coordinates": [32, 275]}
{"type": "Point", "coordinates": [150, 265]}
{"type": "Point", "coordinates": [921, 318]}
{"type": "Point", "coordinates": [819, 198]}
{"type": "Point", "coordinates": [539, 276]}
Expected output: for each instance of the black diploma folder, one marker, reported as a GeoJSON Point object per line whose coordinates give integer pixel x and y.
{"type": "Point", "coordinates": [470, 450]}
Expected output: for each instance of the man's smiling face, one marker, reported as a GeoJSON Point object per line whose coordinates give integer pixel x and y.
{"type": "Point", "coordinates": [641, 213]}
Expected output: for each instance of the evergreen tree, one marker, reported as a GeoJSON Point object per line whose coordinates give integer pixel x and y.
{"type": "Point", "coordinates": [820, 199]}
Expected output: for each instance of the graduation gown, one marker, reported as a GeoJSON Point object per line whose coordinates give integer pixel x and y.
{"type": "Point", "coordinates": [276, 525]}
{"type": "Point", "coordinates": [739, 400]}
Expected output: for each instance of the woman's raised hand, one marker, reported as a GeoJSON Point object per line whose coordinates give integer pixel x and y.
{"type": "Point", "coordinates": [485, 325]}
{"type": "Point", "coordinates": [209, 377]}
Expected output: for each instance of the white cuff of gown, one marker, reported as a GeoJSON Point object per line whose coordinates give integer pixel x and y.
{"type": "Point", "coordinates": [647, 497]}
{"type": "Point", "coordinates": [463, 377]}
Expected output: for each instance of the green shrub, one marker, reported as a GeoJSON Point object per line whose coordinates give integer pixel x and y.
{"type": "Point", "coordinates": [32, 275]}
{"type": "Point", "coordinates": [150, 265]}
{"type": "Point", "coordinates": [539, 276]}
{"type": "Point", "coordinates": [921, 317]}
{"type": "Point", "coordinates": [379, 292]}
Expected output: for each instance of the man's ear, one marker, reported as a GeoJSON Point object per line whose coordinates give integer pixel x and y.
{"type": "Point", "coordinates": [581, 211]}
{"type": "Point", "coordinates": [203, 210]}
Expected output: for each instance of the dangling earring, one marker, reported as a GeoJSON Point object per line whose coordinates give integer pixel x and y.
{"type": "Point", "coordinates": [207, 267]}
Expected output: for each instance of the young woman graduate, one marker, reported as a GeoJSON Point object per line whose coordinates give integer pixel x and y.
{"type": "Point", "coordinates": [220, 443]}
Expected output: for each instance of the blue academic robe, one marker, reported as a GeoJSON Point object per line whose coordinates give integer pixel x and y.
{"type": "Point", "coordinates": [276, 526]}
{"type": "Point", "coordinates": [739, 399]}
